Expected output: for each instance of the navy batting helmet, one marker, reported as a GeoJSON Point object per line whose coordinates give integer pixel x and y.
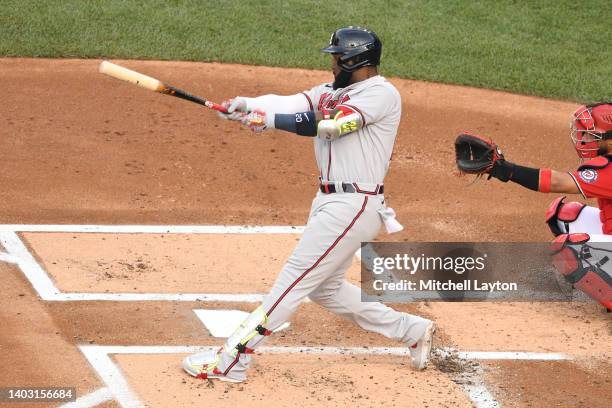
{"type": "Point", "coordinates": [357, 44]}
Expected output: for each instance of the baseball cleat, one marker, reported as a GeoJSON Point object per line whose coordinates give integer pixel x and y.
{"type": "Point", "coordinates": [204, 366]}
{"type": "Point", "coordinates": [421, 350]}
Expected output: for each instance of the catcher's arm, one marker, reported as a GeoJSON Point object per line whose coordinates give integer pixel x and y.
{"type": "Point", "coordinates": [543, 180]}
{"type": "Point", "coordinates": [478, 155]}
{"type": "Point", "coordinates": [563, 183]}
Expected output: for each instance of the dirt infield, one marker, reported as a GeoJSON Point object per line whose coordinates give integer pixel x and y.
{"type": "Point", "coordinates": [81, 148]}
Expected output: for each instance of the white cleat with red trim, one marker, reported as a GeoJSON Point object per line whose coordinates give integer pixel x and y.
{"type": "Point", "coordinates": [204, 365]}
{"type": "Point", "coordinates": [421, 350]}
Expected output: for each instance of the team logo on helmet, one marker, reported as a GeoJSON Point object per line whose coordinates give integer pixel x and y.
{"type": "Point", "coordinates": [588, 175]}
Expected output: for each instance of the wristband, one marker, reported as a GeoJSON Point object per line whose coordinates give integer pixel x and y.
{"type": "Point", "coordinates": [545, 180]}
{"type": "Point", "coordinates": [525, 176]}
{"type": "Point", "coordinates": [303, 123]}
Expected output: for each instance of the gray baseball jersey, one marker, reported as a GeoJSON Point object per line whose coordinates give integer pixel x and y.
{"type": "Point", "coordinates": [362, 156]}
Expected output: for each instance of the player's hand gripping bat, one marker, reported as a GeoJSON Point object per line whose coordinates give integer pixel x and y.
{"type": "Point", "coordinates": [153, 84]}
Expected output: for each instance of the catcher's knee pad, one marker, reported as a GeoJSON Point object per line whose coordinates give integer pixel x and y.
{"type": "Point", "coordinates": [252, 326]}
{"type": "Point", "coordinates": [580, 266]}
{"type": "Point", "coordinates": [560, 214]}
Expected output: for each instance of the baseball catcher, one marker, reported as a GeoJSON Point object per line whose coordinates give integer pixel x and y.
{"type": "Point", "coordinates": [576, 226]}
{"type": "Point", "coordinates": [353, 123]}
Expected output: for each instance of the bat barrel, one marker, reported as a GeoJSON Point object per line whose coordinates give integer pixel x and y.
{"type": "Point", "coordinates": [128, 75]}
{"type": "Point", "coordinates": [153, 84]}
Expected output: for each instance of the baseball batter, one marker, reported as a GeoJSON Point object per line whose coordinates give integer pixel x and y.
{"type": "Point", "coordinates": [353, 123]}
{"type": "Point", "coordinates": [573, 223]}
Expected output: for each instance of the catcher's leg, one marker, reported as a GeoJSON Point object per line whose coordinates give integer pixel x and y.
{"type": "Point", "coordinates": [585, 264]}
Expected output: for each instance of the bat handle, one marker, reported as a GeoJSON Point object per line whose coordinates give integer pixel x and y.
{"type": "Point", "coordinates": [179, 93]}
{"type": "Point", "coordinates": [216, 107]}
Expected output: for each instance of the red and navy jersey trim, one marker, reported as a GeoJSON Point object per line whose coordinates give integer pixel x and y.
{"type": "Point", "coordinates": [309, 100]}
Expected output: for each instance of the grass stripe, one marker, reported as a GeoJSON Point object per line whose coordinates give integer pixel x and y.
{"type": "Point", "coordinates": [550, 48]}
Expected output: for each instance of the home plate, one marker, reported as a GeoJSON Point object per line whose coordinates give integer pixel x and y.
{"type": "Point", "coordinates": [222, 323]}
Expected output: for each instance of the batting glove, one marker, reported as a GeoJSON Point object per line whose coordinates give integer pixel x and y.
{"type": "Point", "coordinates": [236, 109]}
{"type": "Point", "coordinates": [256, 121]}
{"type": "Point", "coordinates": [239, 103]}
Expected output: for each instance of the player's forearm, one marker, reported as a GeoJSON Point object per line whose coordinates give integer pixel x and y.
{"type": "Point", "coordinates": [543, 180]}
{"type": "Point", "coordinates": [563, 183]}
{"type": "Point", "coordinates": [278, 103]}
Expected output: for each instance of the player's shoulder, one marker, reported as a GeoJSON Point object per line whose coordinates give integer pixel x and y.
{"type": "Point", "coordinates": [389, 87]}
{"type": "Point", "coordinates": [325, 87]}
{"type": "Point", "coordinates": [595, 171]}
{"type": "Point", "coordinates": [321, 88]}
{"type": "Point", "coordinates": [380, 86]}
{"type": "Point", "coordinates": [599, 162]}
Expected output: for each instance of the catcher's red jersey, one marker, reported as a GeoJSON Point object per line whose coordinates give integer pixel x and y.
{"type": "Point", "coordinates": [594, 179]}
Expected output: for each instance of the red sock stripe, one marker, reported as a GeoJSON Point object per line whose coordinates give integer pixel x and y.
{"type": "Point", "coordinates": [365, 201]}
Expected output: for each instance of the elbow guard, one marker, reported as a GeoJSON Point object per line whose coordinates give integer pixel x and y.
{"type": "Point", "coordinates": [345, 121]}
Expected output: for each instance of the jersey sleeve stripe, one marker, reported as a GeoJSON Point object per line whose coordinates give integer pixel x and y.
{"type": "Point", "coordinates": [309, 100]}
{"type": "Point", "coordinates": [356, 109]}
{"type": "Point", "coordinates": [577, 185]}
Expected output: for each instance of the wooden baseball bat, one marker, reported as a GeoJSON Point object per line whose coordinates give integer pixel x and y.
{"type": "Point", "coordinates": [152, 84]}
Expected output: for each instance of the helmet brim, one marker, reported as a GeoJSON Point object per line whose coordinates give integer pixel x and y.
{"type": "Point", "coordinates": [333, 49]}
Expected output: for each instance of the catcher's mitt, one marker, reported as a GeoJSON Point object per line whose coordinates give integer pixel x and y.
{"type": "Point", "coordinates": [475, 154]}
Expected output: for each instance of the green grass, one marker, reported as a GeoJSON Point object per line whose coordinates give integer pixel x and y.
{"type": "Point", "coordinates": [559, 49]}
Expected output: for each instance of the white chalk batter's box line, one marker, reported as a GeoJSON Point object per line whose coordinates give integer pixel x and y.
{"type": "Point", "coordinates": [18, 253]}
{"type": "Point", "coordinates": [117, 387]}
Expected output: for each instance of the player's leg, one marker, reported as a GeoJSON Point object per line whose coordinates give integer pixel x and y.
{"type": "Point", "coordinates": [344, 299]}
{"type": "Point", "coordinates": [334, 232]}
